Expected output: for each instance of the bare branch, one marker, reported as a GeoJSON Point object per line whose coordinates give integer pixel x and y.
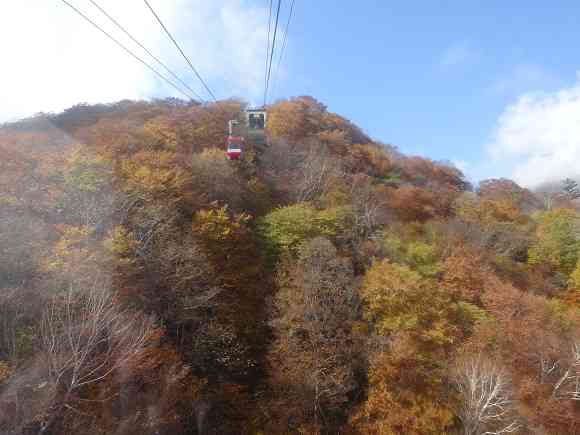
{"type": "Point", "coordinates": [486, 403]}
{"type": "Point", "coordinates": [86, 337]}
{"type": "Point", "coordinates": [568, 385]}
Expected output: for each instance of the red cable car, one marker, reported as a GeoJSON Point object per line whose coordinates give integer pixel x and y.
{"type": "Point", "coordinates": [235, 146]}
{"type": "Point", "coordinates": [235, 142]}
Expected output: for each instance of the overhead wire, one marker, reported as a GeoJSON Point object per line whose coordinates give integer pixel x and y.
{"type": "Point", "coordinates": [284, 41]}
{"type": "Point", "coordinates": [267, 51]}
{"type": "Point", "coordinates": [181, 51]}
{"type": "Point", "coordinates": [161, 76]}
{"type": "Point", "coordinates": [126, 32]}
{"type": "Point", "coordinates": [270, 49]}
{"type": "Point", "coordinates": [273, 49]}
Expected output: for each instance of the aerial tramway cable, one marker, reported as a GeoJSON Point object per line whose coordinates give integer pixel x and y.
{"type": "Point", "coordinates": [272, 52]}
{"type": "Point", "coordinates": [181, 51]}
{"type": "Point", "coordinates": [267, 51]}
{"type": "Point", "coordinates": [128, 51]}
{"type": "Point", "coordinates": [284, 41]}
{"type": "Point", "coordinates": [126, 32]}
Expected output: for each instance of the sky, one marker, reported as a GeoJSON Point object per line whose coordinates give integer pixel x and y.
{"type": "Point", "coordinates": [493, 87]}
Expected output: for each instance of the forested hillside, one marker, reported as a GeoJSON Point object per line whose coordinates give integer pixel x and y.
{"type": "Point", "coordinates": [322, 284]}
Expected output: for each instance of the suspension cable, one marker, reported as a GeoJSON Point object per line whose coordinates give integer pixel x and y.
{"type": "Point", "coordinates": [267, 52]}
{"type": "Point", "coordinates": [161, 76]}
{"type": "Point", "coordinates": [181, 51]}
{"type": "Point", "coordinates": [126, 32]}
{"type": "Point", "coordinates": [284, 41]}
{"type": "Point", "coordinates": [273, 49]}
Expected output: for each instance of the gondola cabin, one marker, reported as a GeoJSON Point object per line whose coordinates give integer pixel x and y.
{"type": "Point", "coordinates": [252, 128]}
{"type": "Point", "coordinates": [256, 122]}
{"type": "Point", "coordinates": [235, 141]}
{"type": "Point", "coordinates": [256, 119]}
{"type": "Point", "coordinates": [235, 147]}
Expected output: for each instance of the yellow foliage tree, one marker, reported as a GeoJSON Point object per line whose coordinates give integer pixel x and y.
{"type": "Point", "coordinates": [406, 382]}
{"type": "Point", "coordinates": [74, 256]}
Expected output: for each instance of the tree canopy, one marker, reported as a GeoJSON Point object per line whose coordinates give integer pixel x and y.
{"type": "Point", "coordinates": [324, 283]}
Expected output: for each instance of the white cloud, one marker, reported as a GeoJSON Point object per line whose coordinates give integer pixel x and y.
{"type": "Point", "coordinates": [457, 54]}
{"type": "Point", "coordinates": [538, 137]}
{"type": "Point", "coordinates": [52, 58]}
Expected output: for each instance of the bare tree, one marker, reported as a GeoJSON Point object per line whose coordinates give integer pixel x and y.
{"type": "Point", "coordinates": [486, 406]}
{"type": "Point", "coordinates": [369, 207]}
{"type": "Point", "coordinates": [303, 172]}
{"type": "Point", "coordinates": [568, 385]}
{"type": "Point", "coordinates": [570, 188]}
{"type": "Point", "coordinates": [215, 179]}
{"type": "Point", "coordinates": [315, 352]}
{"type": "Point", "coordinates": [314, 174]}
{"type": "Point", "coordinates": [85, 338]}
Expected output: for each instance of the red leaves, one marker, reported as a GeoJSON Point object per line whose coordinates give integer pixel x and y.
{"type": "Point", "coordinates": [425, 172]}
{"type": "Point", "coordinates": [410, 203]}
{"type": "Point", "coordinates": [465, 275]}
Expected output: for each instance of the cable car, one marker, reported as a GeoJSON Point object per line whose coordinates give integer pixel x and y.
{"type": "Point", "coordinates": [235, 146]}
{"type": "Point", "coordinates": [235, 141]}
{"type": "Point", "coordinates": [256, 121]}
{"type": "Point", "coordinates": [254, 130]}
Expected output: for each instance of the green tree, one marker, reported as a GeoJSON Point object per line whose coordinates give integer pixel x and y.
{"type": "Point", "coordinates": [285, 228]}
{"type": "Point", "coordinates": [557, 240]}
{"type": "Point", "coordinates": [421, 256]}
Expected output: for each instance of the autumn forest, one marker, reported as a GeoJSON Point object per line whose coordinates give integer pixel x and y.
{"type": "Point", "coordinates": [324, 283]}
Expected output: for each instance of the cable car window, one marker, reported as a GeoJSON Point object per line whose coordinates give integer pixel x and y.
{"type": "Point", "coordinates": [260, 121]}
{"type": "Point", "coordinates": [256, 121]}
